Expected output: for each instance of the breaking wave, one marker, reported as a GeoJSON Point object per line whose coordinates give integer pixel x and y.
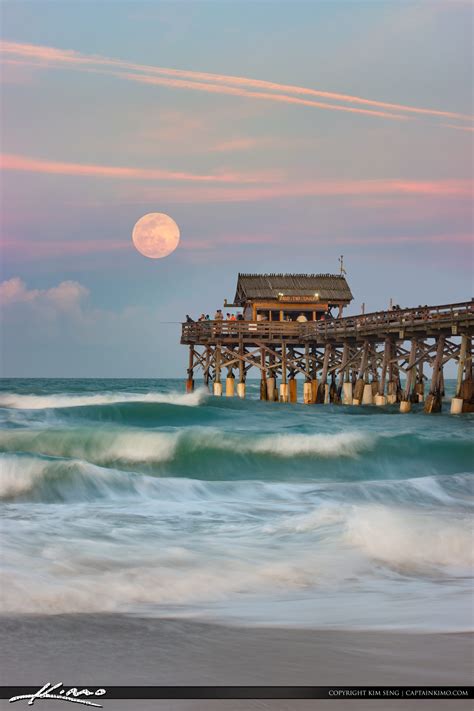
{"type": "Point", "coordinates": [132, 448]}
{"type": "Point", "coordinates": [43, 402]}
{"type": "Point", "coordinates": [119, 497]}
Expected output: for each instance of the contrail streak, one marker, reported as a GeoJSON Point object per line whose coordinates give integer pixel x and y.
{"type": "Point", "coordinates": [218, 83]}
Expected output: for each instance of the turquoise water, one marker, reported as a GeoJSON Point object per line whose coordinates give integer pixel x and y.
{"type": "Point", "coordinates": [130, 496]}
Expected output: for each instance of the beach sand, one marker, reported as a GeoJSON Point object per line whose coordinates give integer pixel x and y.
{"type": "Point", "coordinates": [107, 650]}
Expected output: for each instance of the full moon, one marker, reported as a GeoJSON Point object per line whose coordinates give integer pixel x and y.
{"type": "Point", "coordinates": [155, 235]}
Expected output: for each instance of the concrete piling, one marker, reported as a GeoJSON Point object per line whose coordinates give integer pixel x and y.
{"type": "Point", "coordinates": [391, 392]}
{"type": "Point", "coordinates": [229, 386]}
{"type": "Point", "coordinates": [284, 397]}
{"type": "Point", "coordinates": [367, 398]}
{"type": "Point", "coordinates": [358, 391]}
{"type": "Point", "coordinates": [456, 405]}
{"type": "Point", "coordinates": [347, 393]}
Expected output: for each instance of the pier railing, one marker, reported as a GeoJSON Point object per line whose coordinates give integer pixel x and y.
{"type": "Point", "coordinates": [421, 320]}
{"type": "Point", "coordinates": [207, 331]}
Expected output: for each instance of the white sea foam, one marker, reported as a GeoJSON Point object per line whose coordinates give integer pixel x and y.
{"type": "Point", "coordinates": [408, 539]}
{"type": "Point", "coordinates": [340, 444]}
{"type": "Point", "coordinates": [131, 446]}
{"type": "Point", "coordinates": [18, 476]}
{"type": "Point", "coordinates": [41, 402]}
{"type": "Point", "coordinates": [98, 446]}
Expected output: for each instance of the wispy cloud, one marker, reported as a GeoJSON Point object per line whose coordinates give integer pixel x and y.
{"type": "Point", "coordinates": [38, 165]}
{"type": "Point", "coordinates": [458, 128]}
{"type": "Point", "coordinates": [243, 143]}
{"type": "Point", "coordinates": [330, 188]}
{"type": "Point", "coordinates": [51, 57]}
{"type": "Point", "coordinates": [402, 239]}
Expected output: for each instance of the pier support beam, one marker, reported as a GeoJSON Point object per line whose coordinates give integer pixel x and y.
{"type": "Point", "coordinates": [207, 367]}
{"type": "Point", "coordinates": [457, 402]}
{"type": "Point", "coordinates": [380, 398]}
{"type": "Point", "coordinates": [271, 388]}
{"type": "Point", "coordinates": [323, 389]}
{"type": "Point", "coordinates": [217, 377]}
{"type": "Point", "coordinates": [359, 389]}
{"type": "Point", "coordinates": [419, 390]}
{"type": "Point", "coordinates": [367, 396]}
{"type": "Point", "coordinates": [347, 393]}
{"type": "Point", "coordinates": [434, 399]}
{"type": "Point", "coordinates": [307, 389]}
{"type": "Point", "coordinates": [230, 384]}
{"type": "Point", "coordinates": [263, 375]}
{"type": "Point", "coordinates": [314, 375]}
{"type": "Point", "coordinates": [405, 404]}
{"type": "Point", "coordinates": [241, 384]}
{"type": "Point", "coordinates": [284, 397]}
{"type": "Point", "coordinates": [391, 392]}
{"type": "Point", "coordinates": [307, 392]}
{"type": "Point", "coordinates": [272, 391]}
{"type": "Point", "coordinates": [190, 380]}
{"type": "Point", "coordinates": [293, 389]}
{"type": "Point", "coordinates": [394, 392]}
{"type": "Point", "coordinates": [284, 392]}
{"type": "Point", "coordinates": [343, 392]}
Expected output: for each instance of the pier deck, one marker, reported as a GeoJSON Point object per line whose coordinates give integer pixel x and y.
{"type": "Point", "coordinates": [353, 360]}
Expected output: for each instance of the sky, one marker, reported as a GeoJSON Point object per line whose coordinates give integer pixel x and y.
{"type": "Point", "coordinates": [278, 136]}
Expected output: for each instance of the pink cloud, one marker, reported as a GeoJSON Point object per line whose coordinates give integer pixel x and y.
{"type": "Point", "coordinates": [330, 188]}
{"type": "Point", "coordinates": [49, 57]}
{"type": "Point", "coordinates": [244, 143]}
{"type": "Point", "coordinates": [237, 91]}
{"type": "Point", "coordinates": [458, 128]}
{"type": "Point", "coordinates": [37, 165]}
{"type": "Point", "coordinates": [463, 239]}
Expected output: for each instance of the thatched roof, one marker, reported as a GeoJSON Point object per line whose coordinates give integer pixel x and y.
{"type": "Point", "coordinates": [331, 288]}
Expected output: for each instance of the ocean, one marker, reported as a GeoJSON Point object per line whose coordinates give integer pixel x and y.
{"type": "Point", "coordinates": [131, 497]}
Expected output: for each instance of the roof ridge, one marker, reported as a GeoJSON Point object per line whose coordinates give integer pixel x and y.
{"type": "Point", "coordinates": [291, 274]}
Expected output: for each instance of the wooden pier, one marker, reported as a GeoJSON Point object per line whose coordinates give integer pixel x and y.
{"type": "Point", "coordinates": [356, 360]}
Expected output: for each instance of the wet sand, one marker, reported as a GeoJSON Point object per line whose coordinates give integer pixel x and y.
{"type": "Point", "coordinates": [107, 650]}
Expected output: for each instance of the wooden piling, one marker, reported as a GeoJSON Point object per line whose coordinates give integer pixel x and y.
{"type": "Point", "coordinates": [263, 375]}
{"type": "Point", "coordinates": [190, 380]}
{"type": "Point", "coordinates": [358, 392]}
{"type": "Point", "coordinates": [434, 399]}
{"type": "Point", "coordinates": [323, 390]}
{"type": "Point", "coordinates": [217, 372]}
{"type": "Point", "coordinates": [284, 384]}
{"type": "Point", "coordinates": [405, 404]}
